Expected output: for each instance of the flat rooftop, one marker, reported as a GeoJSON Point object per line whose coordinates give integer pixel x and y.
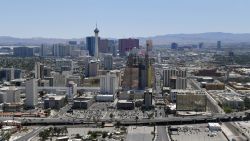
{"type": "Point", "coordinates": [199, 132]}
{"type": "Point", "coordinates": [55, 97]}
{"type": "Point", "coordinates": [124, 101]}
{"type": "Point", "coordinates": [13, 88]}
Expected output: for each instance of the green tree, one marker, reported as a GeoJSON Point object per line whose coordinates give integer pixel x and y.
{"type": "Point", "coordinates": [65, 130]}
{"type": "Point", "coordinates": [7, 136]}
{"type": "Point", "coordinates": [227, 109]}
{"type": "Point", "coordinates": [118, 124]}
{"type": "Point", "coordinates": [51, 131]}
{"type": "Point", "coordinates": [56, 131]}
{"type": "Point", "coordinates": [111, 116]}
{"type": "Point", "coordinates": [78, 136]}
{"type": "Point", "coordinates": [103, 123]}
{"type": "Point", "coordinates": [104, 134]}
{"type": "Point", "coordinates": [43, 136]}
{"type": "Point", "coordinates": [247, 102]}
{"type": "Point", "coordinates": [150, 116]}
{"type": "Point", "coordinates": [93, 135]}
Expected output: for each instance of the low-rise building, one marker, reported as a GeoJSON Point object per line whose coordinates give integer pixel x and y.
{"type": "Point", "coordinates": [214, 127]}
{"type": "Point", "coordinates": [195, 101]}
{"type": "Point", "coordinates": [213, 86]}
{"type": "Point", "coordinates": [148, 99]}
{"type": "Point", "coordinates": [12, 107]}
{"type": "Point", "coordinates": [125, 105]}
{"type": "Point", "coordinates": [83, 102]}
{"type": "Point", "coordinates": [205, 79]}
{"type": "Point", "coordinates": [175, 92]}
{"type": "Point", "coordinates": [54, 101]}
{"type": "Point", "coordinates": [104, 98]}
{"type": "Point", "coordinates": [233, 102]}
{"type": "Point", "coordinates": [131, 95]}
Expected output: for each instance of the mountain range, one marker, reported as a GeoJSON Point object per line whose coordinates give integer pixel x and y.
{"type": "Point", "coordinates": [209, 37]}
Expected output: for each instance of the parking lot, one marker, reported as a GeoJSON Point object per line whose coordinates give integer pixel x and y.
{"type": "Point", "coordinates": [97, 111]}
{"type": "Point", "coordinates": [141, 133]}
{"type": "Point", "coordinates": [196, 133]}
{"type": "Point", "coordinates": [103, 110]}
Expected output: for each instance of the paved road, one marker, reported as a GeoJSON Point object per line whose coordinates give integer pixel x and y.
{"type": "Point", "coordinates": [234, 130]}
{"type": "Point", "coordinates": [161, 134]}
{"type": "Point", "coordinates": [28, 136]}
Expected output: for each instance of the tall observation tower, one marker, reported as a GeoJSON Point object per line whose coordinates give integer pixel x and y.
{"type": "Point", "coordinates": [96, 43]}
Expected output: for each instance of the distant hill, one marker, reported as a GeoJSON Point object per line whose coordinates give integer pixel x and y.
{"type": "Point", "coordinates": [209, 37]}
{"type": "Point", "coordinates": [7, 40]}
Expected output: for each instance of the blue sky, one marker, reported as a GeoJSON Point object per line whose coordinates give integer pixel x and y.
{"type": "Point", "coordinates": [121, 18]}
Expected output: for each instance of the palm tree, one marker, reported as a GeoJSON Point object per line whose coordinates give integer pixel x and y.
{"type": "Point", "coordinates": [118, 123]}
{"type": "Point", "coordinates": [150, 115]}
{"type": "Point", "coordinates": [103, 124]}
{"type": "Point", "coordinates": [56, 131]}
{"type": "Point", "coordinates": [43, 135]}
{"type": "Point", "coordinates": [51, 131]}
{"type": "Point", "coordinates": [94, 119]}
{"type": "Point", "coordinates": [136, 119]}
{"type": "Point", "coordinates": [59, 131]}
{"type": "Point", "coordinates": [65, 130]}
{"type": "Point", "coordinates": [111, 116]}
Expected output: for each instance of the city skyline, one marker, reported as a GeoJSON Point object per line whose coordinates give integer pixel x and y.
{"type": "Point", "coordinates": [121, 19]}
{"type": "Point", "coordinates": [124, 70]}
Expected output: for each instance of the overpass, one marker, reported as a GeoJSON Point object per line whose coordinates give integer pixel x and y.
{"type": "Point", "coordinates": [239, 116]}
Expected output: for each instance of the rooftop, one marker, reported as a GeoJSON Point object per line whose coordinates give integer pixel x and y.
{"type": "Point", "coordinates": [55, 97]}
{"type": "Point", "coordinates": [13, 88]}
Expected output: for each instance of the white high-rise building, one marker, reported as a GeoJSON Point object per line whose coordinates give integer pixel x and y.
{"type": "Point", "coordinates": [43, 50]}
{"type": "Point", "coordinates": [93, 68]}
{"type": "Point", "coordinates": [61, 50]}
{"type": "Point", "coordinates": [181, 83]}
{"type": "Point", "coordinates": [148, 98]}
{"type": "Point", "coordinates": [96, 43]}
{"type": "Point", "coordinates": [10, 94]}
{"type": "Point", "coordinates": [39, 70]}
{"type": "Point", "coordinates": [169, 73]}
{"type": "Point", "coordinates": [31, 93]}
{"type": "Point", "coordinates": [108, 62]}
{"type": "Point", "coordinates": [71, 89]}
{"type": "Point", "coordinates": [108, 83]}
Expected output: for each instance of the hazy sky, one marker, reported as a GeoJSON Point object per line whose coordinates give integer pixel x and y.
{"type": "Point", "coordinates": [121, 18]}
